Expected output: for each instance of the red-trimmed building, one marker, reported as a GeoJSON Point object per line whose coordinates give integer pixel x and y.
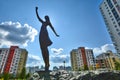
{"type": "Point", "coordinates": [12, 60]}
{"type": "Point", "coordinates": [82, 58]}
{"type": "Point", "coordinates": [81, 50]}
{"type": "Point", "coordinates": [9, 59]}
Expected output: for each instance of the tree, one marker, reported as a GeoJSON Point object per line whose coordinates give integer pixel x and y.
{"type": "Point", "coordinates": [117, 65]}
{"type": "Point", "coordinates": [28, 76]}
{"type": "Point", "coordinates": [23, 73]}
{"type": "Point", "coordinates": [85, 67]}
{"type": "Point", "coordinates": [6, 76]}
{"type": "Point", "coordinates": [79, 69]}
{"type": "Point", "coordinates": [91, 67]}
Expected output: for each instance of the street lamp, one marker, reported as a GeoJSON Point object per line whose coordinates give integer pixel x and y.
{"type": "Point", "coordinates": [64, 64]}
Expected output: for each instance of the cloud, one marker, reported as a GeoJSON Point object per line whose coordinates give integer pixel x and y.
{"type": "Point", "coordinates": [13, 33]}
{"type": "Point", "coordinates": [60, 58]}
{"type": "Point", "coordinates": [56, 51]}
{"type": "Point", "coordinates": [97, 51]}
{"type": "Point", "coordinates": [107, 47]}
{"type": "Point", "coordinates": [103, 48]}
{"type": "Point", "coordinates": [33, 60]}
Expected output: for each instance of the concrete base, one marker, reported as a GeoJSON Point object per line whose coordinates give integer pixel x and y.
{"type": "Point", "coordinates": [44, 75]}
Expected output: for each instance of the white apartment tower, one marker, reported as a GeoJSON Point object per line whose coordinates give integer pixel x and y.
{"type": "Point", "coordinates": [110, 10]}
{"type": "Point", "coordinates": [90, 58]}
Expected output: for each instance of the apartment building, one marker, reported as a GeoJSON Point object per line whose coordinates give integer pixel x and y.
{"type": "Point", "coordinates": [82, 57]}
{"type": "Point", "coordinates": [110, 10]}
{"type": "Point", "coordinates": [12, 60]}
{"type": "Point", "coordinates": [107, 60]}
{"type": "Point", "coordinates": [73, 55]}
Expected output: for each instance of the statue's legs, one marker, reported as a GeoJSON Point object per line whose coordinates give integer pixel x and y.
{"type": "Point", "coordinates": [45, 54]}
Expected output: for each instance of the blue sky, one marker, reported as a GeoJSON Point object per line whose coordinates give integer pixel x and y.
{"type": "Point", "coordinates": [78, 22]}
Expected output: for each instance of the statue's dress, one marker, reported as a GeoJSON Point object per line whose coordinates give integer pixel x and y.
{"type": "Point", "coordinates": [43, 36]}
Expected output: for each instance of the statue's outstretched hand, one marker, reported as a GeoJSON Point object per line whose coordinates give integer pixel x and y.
{"type": "Point", "coordinates": [58, 35]}
{"type": "Point", "coordinates": [36, 8]}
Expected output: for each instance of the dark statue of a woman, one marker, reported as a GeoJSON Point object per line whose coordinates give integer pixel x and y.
{"type": "Point", "coordinates": [44, 39]}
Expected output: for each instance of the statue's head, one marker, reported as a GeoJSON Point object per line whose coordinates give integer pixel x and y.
{"type": "Point", "coordinates": [47, 18]}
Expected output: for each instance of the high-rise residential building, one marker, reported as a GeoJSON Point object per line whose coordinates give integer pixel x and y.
{"type": "Point", "coordinates": [12, 60]}
{"type": "Point", "coordinates": [3, 58]}
{"type": "Point", "coordinates": [107, 60]}
{"type": "Point", "coordinates": [90, 58]}
{"type": "Point", "coordinates": [22, 60]}
{"type": "Point", "coordinates": [110, 10]}
{"type": "Point", "coordinates": [81, 58]}
{"type": "Point", "coordinates": [73, 55]}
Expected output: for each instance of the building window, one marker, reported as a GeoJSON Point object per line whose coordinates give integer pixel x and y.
{"type": "Point", "coordinates": [113, 22]}
{"type": "Point", "coordinates": [119, 33]}
{"type": "Point", "coordinates": [115, 26]}
{"type": "Point", "coordinates": [117, 29]}
{"type": "Point", "coordinates": [109, 13]}
{"type": "Point", "coordinates": [104, 2]}
{"type": "Point", "coordinates": [110, 4]}
{"type": "Point", "coordinates": [115, 14]}
{"type": "Point", "coordinates": [118, 8]}
{"type": "Point", "coordinates": [110, 16]}
{"type": "Point", "coordinates": [113, 59]}
{"type": "Point", "coordinates": [112, 19]}
{"type": "Point", "coordinates": [106, 7]}
{"type": "Point", "coordinates": [119, 23]}
{"type": "Point", "coordinates": [114, 1]}
{"type": "Point", "coordinates": [10, 70]}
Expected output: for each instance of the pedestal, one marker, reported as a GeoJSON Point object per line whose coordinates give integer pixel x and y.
{"type": "Point", "coordinates": [44, 75]}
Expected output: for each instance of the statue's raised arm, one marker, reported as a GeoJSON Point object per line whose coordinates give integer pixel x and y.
{"type": "Point", "coordinates": [38, 15]}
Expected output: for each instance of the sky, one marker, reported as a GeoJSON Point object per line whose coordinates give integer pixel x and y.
{"type": "Point", "coordinates": [78, 22]}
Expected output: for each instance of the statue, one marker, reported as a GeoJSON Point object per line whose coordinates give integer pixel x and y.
{"type": "Point", "coordinates": [44, 39]}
